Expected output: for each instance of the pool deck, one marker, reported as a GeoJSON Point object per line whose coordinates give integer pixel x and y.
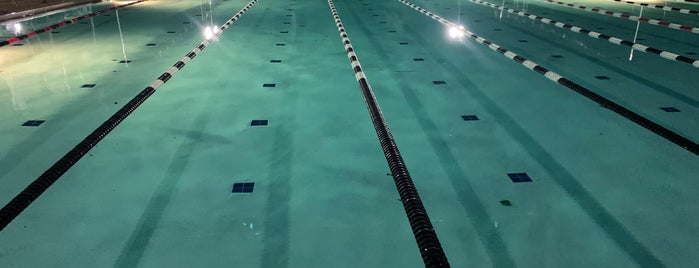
{"type": "Point", "coordinates": [14, 9]}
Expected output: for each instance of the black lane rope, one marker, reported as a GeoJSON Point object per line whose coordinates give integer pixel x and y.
{"type": "Point", "coordinates": [614, 40]}
{"type": "Point", "coordinates": [602, 101]}
{"type": "Point", "coordinates": [425, 236]}
{"type": "Point", "coordinates": [18, 38]}
{"type": "Point", "coordinates": [20, 202]}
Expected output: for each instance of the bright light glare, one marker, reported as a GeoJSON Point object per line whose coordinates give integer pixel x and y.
{"type": "Point", "coordinates": [456, 33]}
{"type": "Point", "coordinates": [216, 30]}
{"type": "Point", "coordinates": [208, 33]}
{"type": "Point", "coordinates": [18, 28]}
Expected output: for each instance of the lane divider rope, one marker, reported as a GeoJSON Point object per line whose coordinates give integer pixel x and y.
{"type": "Point", "coordinates": [18, 38]}
{"type": "Point", "coordinates": [420, 223]}
{"type": "Point", "coordinates": [602, 101]}
{"type": "Point", "coordinates": [614, 40]}
{"type": "Point", "coordinates": [20, 202]}
{"type": "Point", "coordinates": [666, 8]}
{"type": "Point", "coordinates": [675, 26]}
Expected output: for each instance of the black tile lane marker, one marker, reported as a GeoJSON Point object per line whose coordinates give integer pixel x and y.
{"type": "Point", "coordinates": [470, 117]}
{"type": "Point", "coordinates": [602, 101]}
{"type": "Point", "coordinates": [88, 85]}
{"type": "Point", "coordinates": [425, 235]}
{"type": "Point", "coordinates": [243, 187]}
{"type": "Point", "coordinates": [18, 38]}
{"type": "Point", "coordinates": [519, 177]}
{"type": "Point", "coordinates": [670, 109]}
{"type": "Point", "coordinates": [670, 25]}
{"type": "Point", "coordinates": [255, 123]}
{"type": "Point", "coordinates": [20, 202]}
{"type": "Point", "coordinates": [611, 39]}
{"type": "Point", "coordinates": [33, 123]}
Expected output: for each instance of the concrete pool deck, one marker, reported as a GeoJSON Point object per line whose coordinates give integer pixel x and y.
{"type": "Point", "coordinates": [14, 9]}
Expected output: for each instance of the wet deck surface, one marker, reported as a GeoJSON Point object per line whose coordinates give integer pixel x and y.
{"type": "Point", "coordinates": [7, 7]}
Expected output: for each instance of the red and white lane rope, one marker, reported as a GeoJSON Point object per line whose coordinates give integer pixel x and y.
{"type": "Point", "coordinates": [614, 40]}
{"type": "Point", "coordinates": [666, 8]}
{"type": "Point", "coordinates": [18, 38]}
{"type": "Point", "coordinates": [646, 123]}
{"type": "Point", "coordinates": [671, 25]}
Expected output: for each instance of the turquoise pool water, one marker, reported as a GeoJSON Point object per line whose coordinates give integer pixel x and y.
{"type": "Point", "coordinates": [156, 191]}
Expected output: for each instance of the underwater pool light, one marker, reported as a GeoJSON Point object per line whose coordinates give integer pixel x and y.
{"type": "Point", "coordinates": [18, 28]}
{"type": "Point", "coordinates": [456, 33]}
{"type": "Point", "coordinates": [208, 33]}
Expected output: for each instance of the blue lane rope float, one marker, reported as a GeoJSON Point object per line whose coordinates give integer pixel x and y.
{"type": "Point", "coordinates": [614, 40]}
{"type": "Point", "coordinates": [602, 101]}
{"type": "Point", "coordinates": [670, 25]}
{"type": "Point", "coordinates": [425, 235]}
{"type": "Point", "coordinates": [20, 202]}
{"type": "Point", "coordinates": [18, 38]}
{"type": "Point", "coordinates": [666, 8]}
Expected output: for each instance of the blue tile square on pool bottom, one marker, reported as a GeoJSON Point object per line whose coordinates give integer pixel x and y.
{"type": "Point", "coordinates": [171, 32]}
{"type": "Point", "coordinates": [275, 61]}
{"type": "Point", "coordinates": [601, 77]}
{"type": "Point", "coordinates": [418, 59]}
{"type": "Point", "coordinates": [269, 85]}
{"type": "Point", "coordinates": [670, 109]}
{"type": "Point", "coordinates": [519, 177]}
{"type": "Point", "coordinates": [284, 32]}
{"type": "Point", "coordinates": [469, 118]}
{"type": "Point", "coordinates": [258, 123]}
{"type": "Point", "coordinates": [439, 82]}
{"type": "Point", "coordinates": [243, 187]}
{"type": "Point", "coordinates": [88, 86]}
{"type": "Point", "coordinates": [280, 45]}
{"type": "Point", "coordinates": [150, 44]}
{"type": "Point", "coordinates": [33, 123]}
{"type": "Point", "coordinates": [403, 43]}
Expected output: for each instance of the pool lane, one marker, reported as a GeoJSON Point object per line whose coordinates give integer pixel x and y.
{"type": "Point", "coordinates": [580, 158]}
{"type": "Point", "coordinates": [18, 204]}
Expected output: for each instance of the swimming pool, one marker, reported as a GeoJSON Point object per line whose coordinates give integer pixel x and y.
{"type": "Point", "coordinates": [471, 125]}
